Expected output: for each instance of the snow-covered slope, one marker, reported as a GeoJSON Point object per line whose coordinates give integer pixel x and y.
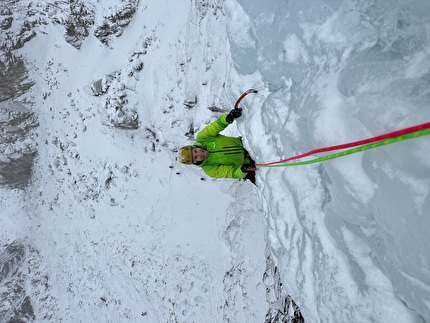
{"type": "Point", "coordinates": [112, 228]}
{"type": "Point", "coordinates": [101, 223]}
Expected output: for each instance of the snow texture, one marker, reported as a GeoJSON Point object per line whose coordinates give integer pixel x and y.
{"type": "Point", "coordinates": [101, 223]}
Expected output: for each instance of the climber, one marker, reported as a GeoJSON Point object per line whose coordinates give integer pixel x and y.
{"type": "Point", "coordinates": [220, 156]}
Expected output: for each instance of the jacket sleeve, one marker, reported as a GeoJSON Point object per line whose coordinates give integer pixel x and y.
{"type": "Point", "coordinates": [214, 128]}
{"type": "Point", "coordinates": [224, 171]}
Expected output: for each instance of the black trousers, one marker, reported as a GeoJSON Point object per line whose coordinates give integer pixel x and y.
{"type": "Point", "coordinates": [251, 175]}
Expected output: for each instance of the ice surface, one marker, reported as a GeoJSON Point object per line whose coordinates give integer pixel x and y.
{"type": "Point", "coordinates": [351, 235]}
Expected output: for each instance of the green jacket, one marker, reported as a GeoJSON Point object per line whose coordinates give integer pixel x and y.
{"type": "Point", "coordinates": [226, 154]}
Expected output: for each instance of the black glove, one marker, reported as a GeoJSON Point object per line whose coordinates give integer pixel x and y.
{"type": "Point", "coordinates": [249, 167]}
{"type": "Point", "coordinates": [235, 113]}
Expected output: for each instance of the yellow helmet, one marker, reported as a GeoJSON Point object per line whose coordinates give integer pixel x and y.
{"type": "Point", "coordinates": [186, 155]}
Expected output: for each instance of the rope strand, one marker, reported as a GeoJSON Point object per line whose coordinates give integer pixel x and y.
{"type": "Point", "coordinates": [361, 145]}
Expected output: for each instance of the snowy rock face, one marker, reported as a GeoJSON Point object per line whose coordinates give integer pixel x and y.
{"type": "Point", "coordinates": [19, 24]}
{"type": "Point", "coordinates": [17, 144]}
{"type": "Point", "coordinates": [78, 22]}
{"type": "Point", "coordinates": [16, 304]}
{"type": "Point", "coordinates": [16, 25]}
{"type": "Point", "coordinates": [13, 76]}
{"type": "Point", "coordinates": [113, 25]}
{"type": "Point", "coordinates": [18, 122]}
{"type": "Point", "coordinates": [101, 221]}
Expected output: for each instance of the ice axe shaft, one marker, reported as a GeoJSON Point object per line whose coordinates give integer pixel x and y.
{"type": "Point", "coordinates": [243, 95]}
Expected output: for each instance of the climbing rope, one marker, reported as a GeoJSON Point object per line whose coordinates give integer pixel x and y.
{"type": "Point", "coordinates": [361, 145]}
{"type": "Point", "coordinates": [352, 147]}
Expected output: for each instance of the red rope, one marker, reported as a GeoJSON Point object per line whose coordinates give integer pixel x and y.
{"type": "Point", "coordinates": [355, 143]}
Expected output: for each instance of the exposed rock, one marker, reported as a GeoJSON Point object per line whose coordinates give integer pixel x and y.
{"type": "Point", "coordinates": [75, 16]}
{"type": "Point", "coordinates": [17, 144]}
{"type": "Point", "coordinates": [23, 30]}
{"type": "Point", "coordinates": [13, 77]}
{"type": "Point", "coordinates": [6, 23]}
{"type": "Point", "coordinates": [282, 307]}
{"type": "Point", "coordinates": [16, 172]}
{"type": "Point", "coordinates": [215, 108]}
{"type": "Point", "coordinates": [17, 123]}
{"type": "Point", "coordinates": [16, 305]}
{"type": "Point", "coordinates": [191, 102]}
{"type": "Point", "coordinates": [15, 32]}
{"type": "Point", "coordinates": [114, 24]}
{"type": "Point", "coordinates": [137, 65]}
{"type": "Point", "coordinates": [25, 34]}
{"type": "Point", "coordinates": [97, 88]}
{"type": "Point", "coordinates": [191, 131]}
{"type": "Point", "coordinates": [77, 25]}
{"type": "Point", "coordinates": [115, 89]}
{"type": "Point", "coordinates": [205, 6]}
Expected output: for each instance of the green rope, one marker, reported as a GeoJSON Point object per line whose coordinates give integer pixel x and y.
{"type": "Point", "coordinates": [357, 149]}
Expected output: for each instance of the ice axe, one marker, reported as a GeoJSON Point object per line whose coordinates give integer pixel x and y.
{"type": "Point", "coordinates": [243, 95]}
{"type": "Point", "coordinates": [247, 167]}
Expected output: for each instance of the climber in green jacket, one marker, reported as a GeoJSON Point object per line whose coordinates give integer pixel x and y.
{"type": "Point", "coordinates": [220, 156]}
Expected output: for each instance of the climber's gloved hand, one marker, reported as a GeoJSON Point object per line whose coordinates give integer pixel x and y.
{"type": "Point", "coordinates": [248, 167]}
{"type": "Point", "coordinates": [233, 114]}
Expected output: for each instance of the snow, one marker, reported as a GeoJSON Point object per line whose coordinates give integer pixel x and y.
{"type": "Point", "coordinates": [117, 230]}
